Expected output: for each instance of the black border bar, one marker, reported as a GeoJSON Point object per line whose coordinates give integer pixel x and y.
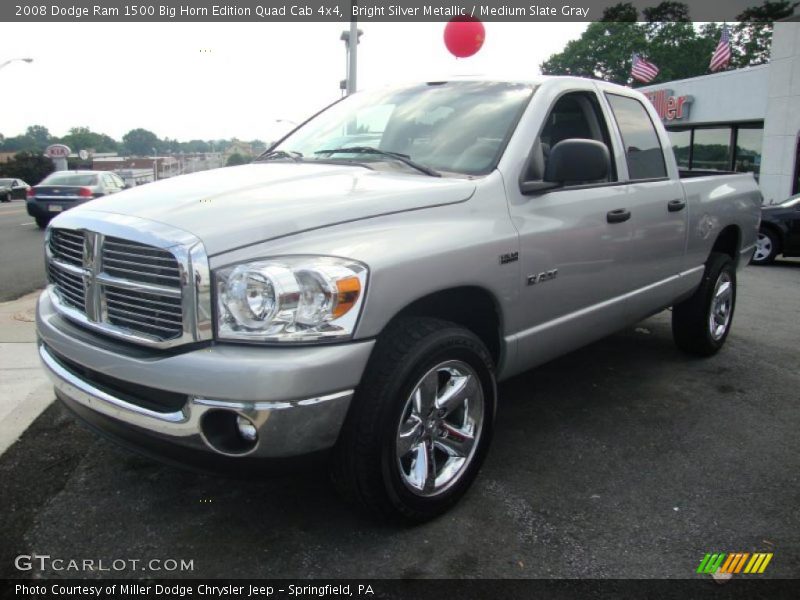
{"type": "Point", "coordinates": [340, 10]}
{"type": "Point", "coordinates": [422, 589]}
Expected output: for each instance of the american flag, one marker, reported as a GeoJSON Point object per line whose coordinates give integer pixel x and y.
{"type": "Point", "coordinates": [722, 53]}
{"type": "Point", "coordinates": [642, 70]}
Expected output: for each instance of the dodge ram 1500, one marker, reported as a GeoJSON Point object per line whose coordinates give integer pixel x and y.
{"type": "Point", "coordinates": [359, 289]}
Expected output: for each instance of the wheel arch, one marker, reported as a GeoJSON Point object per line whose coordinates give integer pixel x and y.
{"type": "Point", "coordinates": [472, 307]}
{"type": "Point", "coordinates": [728, 242]}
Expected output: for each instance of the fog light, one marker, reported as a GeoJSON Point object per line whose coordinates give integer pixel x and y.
{"type": "Point", "coordinates": [246, 429]}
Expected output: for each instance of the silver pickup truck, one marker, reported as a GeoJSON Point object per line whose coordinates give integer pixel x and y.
{"type": "Point", "coordinates": [359, 289]}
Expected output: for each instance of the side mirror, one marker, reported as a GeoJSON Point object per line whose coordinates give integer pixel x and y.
{"type": "Point", "coordinates": [572, 161]}
{"type": "Point", "coordinates": [577, 160]}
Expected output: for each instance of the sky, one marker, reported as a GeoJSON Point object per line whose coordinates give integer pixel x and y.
{"type": "Point", "coordinates": [218, 81]}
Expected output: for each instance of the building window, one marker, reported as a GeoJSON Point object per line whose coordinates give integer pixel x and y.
{"type": "Point", "coordinates": [712, 149]}
{"type": "Point", "coordinates": [748, 149]}
{"type": "Point", "coordinates": [681, 141]}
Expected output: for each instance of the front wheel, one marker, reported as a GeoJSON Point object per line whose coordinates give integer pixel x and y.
{"type": "Point", "coordinates": [421, 422]}
{"type": "Point", "coordinates": [701, 323]}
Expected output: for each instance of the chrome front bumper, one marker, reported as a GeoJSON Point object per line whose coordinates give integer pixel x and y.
{"type": "Point", "coordinates": [293, 413]}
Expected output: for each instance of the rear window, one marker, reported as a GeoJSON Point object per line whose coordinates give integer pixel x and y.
{"type": "Point", "coordinates": [643, 150]}
{"type": "Point", "coordinates": [70, 179]}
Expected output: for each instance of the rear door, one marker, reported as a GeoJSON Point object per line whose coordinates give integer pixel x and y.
{"type": "Point", "coordinates": [655, 197]}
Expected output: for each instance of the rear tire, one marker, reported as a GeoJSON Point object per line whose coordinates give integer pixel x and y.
{"type": "Point", "coordinates": [767, 248]}
{"type": "Point", "coordinates": [420, 424]}
{"type": "Point", "coordinates": [42, 222]}
{"type": "Point", "coordinates": [700, 324]}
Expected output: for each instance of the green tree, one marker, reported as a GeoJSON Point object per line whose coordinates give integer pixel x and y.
{"type": "Point", "coordinates": [39, 135]}
{"type": "Point", "coordinates": [753, 34]}
{"type": "Point", "coordinates": [196, 146]}
{"type": "Point", "coordinates": [236, 159]}
{"type": "Point", "coordinates": [28, 166]}
{"type": "Point", "coordinates": [140, 142]}
{"type": "Point", "coordinates": [83, 138]}
{"type": "Point", "coordinates": [667, 38]}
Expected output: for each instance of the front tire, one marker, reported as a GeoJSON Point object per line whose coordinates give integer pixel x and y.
{"type": "Point", "coordinates": [700, 324]}
{"type": "Point", "coordinates": [421, 422]}
{"type": "Point", "coordinates": [767, 248]}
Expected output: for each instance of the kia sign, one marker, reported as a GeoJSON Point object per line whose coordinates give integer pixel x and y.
{"type": "Point", "coordinates": [57, 151]}
{"type": "Point", "coordinates": [668, 106]}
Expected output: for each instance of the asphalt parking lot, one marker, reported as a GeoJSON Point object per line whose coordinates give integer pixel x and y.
{"type": "Point", "coordinates": [21, 258]}
{"type": "Point", "coordinates": [625, 459]}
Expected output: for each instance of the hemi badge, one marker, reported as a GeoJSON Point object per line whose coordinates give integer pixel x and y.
{"type": "Point", "coordinates": [509, 257]}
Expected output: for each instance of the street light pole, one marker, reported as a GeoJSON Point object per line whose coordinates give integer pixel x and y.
{"type": "Point", "coordinates": [350, 37]}
{"type": "Point", "coordinates": [352, 44]}
{"type": "Point", "coordinates": [8, 62]}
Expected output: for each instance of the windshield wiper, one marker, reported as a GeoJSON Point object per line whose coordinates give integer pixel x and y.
{"type": "Point", "coordinates": [278, 154]}
{"type": "Point", "coordinates": [403, 158]}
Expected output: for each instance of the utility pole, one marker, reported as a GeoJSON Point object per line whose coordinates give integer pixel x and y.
{"type": "Point", "coordinates": [351, 38]}
{"type": "Point", "coordinates": [352, 44]}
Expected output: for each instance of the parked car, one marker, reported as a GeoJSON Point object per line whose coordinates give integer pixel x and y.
{"type": "Point", "coordinates": [12, 188]}
{"type": "Point", "coordinates": [64, 190]}
{"type": "Point", "coordinates": [779, 233]}
{"type": "Point", "coordinates": [363, 301]}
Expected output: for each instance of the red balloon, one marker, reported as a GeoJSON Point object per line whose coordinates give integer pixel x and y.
{"type": "Point", "coordinates": [464, 36]}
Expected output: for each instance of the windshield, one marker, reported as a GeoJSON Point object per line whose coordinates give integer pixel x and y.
{"type": "Point", "coordinates": [456, 127]}
{"type": "Point", "coordinates": [70, 179]}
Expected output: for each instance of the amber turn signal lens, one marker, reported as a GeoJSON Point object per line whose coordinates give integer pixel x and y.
{"type": "Point", "coordinates": [348, 290]}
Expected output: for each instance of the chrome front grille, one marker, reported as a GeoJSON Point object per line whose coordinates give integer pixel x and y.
{"type": "Point", "coordinates": [70, 286]}
{"type": "Point", "coordinates": [67, 245]}
{"type": "Point", "coordinates": [153, 314]}
{"type": "Point", "coordinates": [140, 262]}
{"type": "Point", "coordinates": [155, 294]}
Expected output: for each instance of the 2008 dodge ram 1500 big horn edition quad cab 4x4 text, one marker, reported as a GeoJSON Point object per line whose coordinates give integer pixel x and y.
{"type": "Point", "coordinates": [360, 288]}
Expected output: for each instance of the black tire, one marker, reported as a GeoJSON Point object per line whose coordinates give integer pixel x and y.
{"type": "Point", "coordinates": [366, 466]}
{"type": "Point", "coordinates": [42, 222]}
{"type": "Point", "coordinates": [6, 198]}
{"type": "Point", "coordinates": [767, 249]}
{"type": "Point", "coordinates": [692, 327]}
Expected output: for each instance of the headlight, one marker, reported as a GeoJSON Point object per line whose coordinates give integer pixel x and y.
{"type": "Point", "coordinates": [291, 299]}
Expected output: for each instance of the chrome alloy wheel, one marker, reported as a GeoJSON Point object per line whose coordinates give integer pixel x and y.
{"type": "Point", "coordinates": [719, 318]}
{"type": "Point", "coordinates": [763, 247]}
{"type": "Point", "coordinates": [439, 428]}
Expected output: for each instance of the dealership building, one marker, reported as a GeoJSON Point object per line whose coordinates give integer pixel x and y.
{"type": "Point", "coordinates": [745, 120]}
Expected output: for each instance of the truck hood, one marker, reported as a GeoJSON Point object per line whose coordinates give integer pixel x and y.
{"type": "Point", "coordinates": [237, 206]}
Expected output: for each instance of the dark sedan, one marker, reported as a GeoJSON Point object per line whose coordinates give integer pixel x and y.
{"type": "Point", "coordinates": [779, 232]}
{"type": "Point", "coordinates": [12, 188]}
{"type": "Point", "coordinates": [63, 190]}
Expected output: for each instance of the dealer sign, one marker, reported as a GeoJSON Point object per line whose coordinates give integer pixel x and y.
{"type": "Point", "coordinates": [57, 151]}
{"type": "Point", "coordinates": [668, 106]}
